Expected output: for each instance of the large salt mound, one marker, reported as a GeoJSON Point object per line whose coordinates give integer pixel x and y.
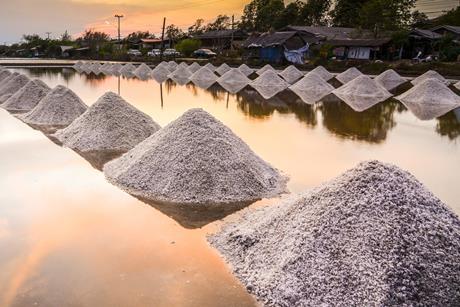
{"type": "Point", "coordinates": [194, 67]}
{"type": "Point", "coordinates": [211, 67]}
{"type": "Point", "coordinates": [160, 73]}
{"type": "Point", "coordinates": [12, 86]}
{"type": "Point", "coordinates": [374, 236]}
{"type": "Point", "coordinates": [312, 88]}
{"type": "Point", "coordinates": [430, 99]}
{"type": "Point", "coordinates": [4, 74]}
{"type": "Point", "coordinates": [431, 74]}
{"type": "Point", "coordinates": [390, 79]}
{"type": "Point", "coordinates": [127, 69]}
{"type": "Point", "coordinates": [222, 69]}
{"type": "Point", "coordinates": [27, 97]}
{"type": "Point", "coordinates": [195, 160]}
{"type": "Point", "coordinates": [362, 93]}
{"type": "Point", "coordinates": [56, 110]}
{"type": "Point", "coordinates": [348, 75]}
{"type": "Point", "coordinates": [204, 78]}
{"type": "Point", "coordinates": [142, 72]}
{"type": "Point", "coordinates": [322, 72]}
{"type": "Point", "coordinates": [109, 125]}
{"type": "Point", "coordinates": [8, 78]}
{"type": "Point", "coordinates": [246, 70]}
{"type": "Point", "coordinates": [181, 75]}
{"type": "Point", "coordinates": [233, 81]}
{"type": "Point", "coordinates": [264, 69]}
{"type": "Point", "coordinates": [291, 74]}
{"type": "Point", "coordinates": [269, 84]}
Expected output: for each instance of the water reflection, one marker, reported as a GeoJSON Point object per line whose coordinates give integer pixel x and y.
{"type": "Point", "coordinates": [449, 124]}
{"type": "Point", "coordinates": [251, 103]}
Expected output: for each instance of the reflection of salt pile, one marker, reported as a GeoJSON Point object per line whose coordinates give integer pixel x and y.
{"type": "Point", "coordinates": [264, 69]}
{"type": "Point", "coordinates": [128, 69]}
{"type": "Point", "coordinates": [110, 124]}
{"type": "Point", "coordinates": [204, 78]}
{"type": "Point", "coordinates": [322, 72]}
{"type": "Point", "coordinates": [348, 75]}
{"type": "Point", "coordinates": [269, 84]}
{"type": "Point", "coordinates": [430, 99]}
{"type": "Point", "coordinates": [222, 69]}
{"type": "Point", "coordinates": [181, 75]}
{"type": "Point", "coordinates": [211, 67]}
{"type": "Point", "coordinates": [12, 86]}
{"type": "Point", "coordinates": [195, 160]}
{"type": "Point", "coordinates": [312, 88]}
{"type": "Point", "coordinates": [172, 66]}
{"type": "Point", "coordinates": [374, 236]}
{"type": "Point", "coordinates": [194, 67]}
{"type": "Point", "coordinates": [27, 97]}
{"type": "Point", "coordinates": [105, 67]}
{"type": "Point", "coordinates": [160, 73]}
{"type": "Point", "coordinates": [246, 70]}
{"type": "Point", "coordinates": [390, 79]}
{"type": "Point", "coordinates": [56, 110]}
{"type": "Point", "coordinates": [362, 93]}
{"type": "Point", "coordinates": [142, 72]}
{"type": "Point", "coordinates": [431, 74]}
{"type": "Point", "coordinates": [291, 74]}
{"type": "Point", "coordinates": [233, 81]}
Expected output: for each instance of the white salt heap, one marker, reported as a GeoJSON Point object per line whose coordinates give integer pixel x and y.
{"type": "Point", "coordinates": [431, 74]}
{"type": "Point", "coordinates": [233, 81]}
{"type": "Point", "coordinates": [96, 68]}
{"type": "Point", "coordinates": [182, 64]}
{"type": "Point", "coordinates": [264, 69]}
{"type": "Point", "coordinates": [246, 70]}
{"type": "Point", "coordinates": [4, 74]}
{"type": "Point", "coordinates": [211, 67]}
{"type": "Point", "coordinates": [322, 72]}
{"type": "Point", "coordinates": [362, 93]}
{"type": "Point", "coordinates": [312, 88]}
{"type": "Point", "coordinates": [27, 97]}
{"type": "Point", "coordinates": [160, 73]}
{"type": "Point", "coordinates": [222, 69]}
{"type": "Point", "coordinates": [128, 69]}
{"type": "Point", "coordinates": [105, 67]}
{"type": "Point", "coordinates": [142, 72]}
{"type": "Point", "coordinates": [115, 69]}
{"type": "Point", "coordinates": [8, 78]}
{"type": "Point", "coordinates": [374, 236]}
{"type": "Point", "coordinates": [430, 99]}
{"type": "Point", "coordinates": [181, 75]}
{"type": "Point", "coordinates": [58, 109]}
{"type": "Point", "coordinates": [269, 84]}
{"type": "Point", "coordinates": [457, 85]}
{"type": "Point", "coordinates": [194, 67]}
{"type": "Point", "coordinates": [390, 79]}
{"type": "Point", "coordinates": [195, 160]}
{"type": "Point", "coordinates": [204, 78]}
{"type": "Point", "coordinates": [78, 65]}
{"type": "Point", "coordinates": [172, 66]}
{"type": "Point", "coordinates": [348, 75]}
{"type": "Point", "coordinates": [291, 74]}
{"type": "Point", "coordinates": [12, 86]}
{"type": "Point", "coordinates": [110, 124]}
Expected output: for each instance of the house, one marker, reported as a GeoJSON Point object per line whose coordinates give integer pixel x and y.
{"type": "Point", "coordinates": [324, 33]}
{"type": "Point", "coordinates": [221, 40]}
{"type": "Point", "coordinates": [154, 43]}
{"type": "Point", "coordinates": [448, 30]}
{"type": "Point", "coordinates": [421, 43]}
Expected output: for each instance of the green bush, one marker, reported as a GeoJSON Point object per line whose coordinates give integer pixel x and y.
{"type": "Point", "coordinates": [188, 46]}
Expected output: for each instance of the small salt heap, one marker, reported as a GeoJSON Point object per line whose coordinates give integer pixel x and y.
{"type": "Point", "coordinates": [160, 73]}
{"type": "Point", "coordinates": [246, 70]}
{"type": "Point", "coordinates": [269, 84]}
{"type": "Point", "coordinates": [322, 72]}
{"type": "Point", "coordinates": [194, 67]}
{"type": "Point", "coordinates": [7, 79]}
{"type": "Point", "coordinates": [96, 68]}
{"type": "Point", "coordinates": [128, 70]}
{"type": "Point", "coordinates": [348, 75]}
{"type": "Point", "coordinates": [27, 97]}
{"type": "Point", "coordinates": [291, 74]}
{"type": "Point", "coordinates": [222, 69]}
{"type": "Point", "coordinates": [195, 161]}
{"type": "Point", "coordinates": [264, 69]}
{"type": "Point", "coordinates": [390, 79]}
{"type": "Point", "coordinates": [181, 75]}
{"type": "Point", "coordinates": [233, 81]}
{"type": "Point", "coordinates": [172, 66]}
{"type": "Point", "coordinates": [115, 69]}
{"type": "Point", "coordinates": [12, 86]}
{"type": "Point", "coordinates": [362, 93]}
{"type": "Point", "coordinates": [105, 67]}
{"type": "Point", "coordinates": [211, 67]}
{"type": "Point", "coordinates": [312, 88]}
{"type": "Point", "coordinates": [78, 65]}
{"type": "Point", "coordinates": [374, 236]}
{"type": "Point", "coordinates": [431, 74]}
{"type": "Point", "coordinates": [182, 64]}
{"type": "Point", "coordinates": [457, 85]}
{"type": "Point", "coordinates": [4, 74]}
{"type": "Point", "coordinates": [58, 109]}
{"type": "Point", "coordinates": [143, 72]}
{"type": "Point", "coordinates": [430, 99]}
{"type": "Point", "coordinates": [204, 78]}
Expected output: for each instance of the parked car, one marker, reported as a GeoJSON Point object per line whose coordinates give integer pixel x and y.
{"type": "Point", "coordinates": [154, 52]}
{"type": "Point", "coordinates": [204, 53]}
{"type": "Point", "coordinates": [171, 52]}
{"type": "Point", "coordinates": [134, 52]}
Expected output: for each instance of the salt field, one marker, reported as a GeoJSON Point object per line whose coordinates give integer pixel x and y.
{"type": "Point", "coordinates": [69, 237]}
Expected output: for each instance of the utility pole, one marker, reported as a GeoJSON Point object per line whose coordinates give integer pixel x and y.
{"type": "Point", "coordinates": [48, 35]}
{"type": "Point", "coordinates": [119, 17]}
{"type": "Point", "coordinates": [162, 39]}
{"type": "Point", "coordinates": [233, 27]}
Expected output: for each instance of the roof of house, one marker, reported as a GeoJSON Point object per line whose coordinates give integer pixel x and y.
{"type": "Point", "coordinates": [425, 33]}
{"type": "Point", "coordinates": [448, 28]}
{"type": "Point", "coordinates": [330, 32]}
{"type": "Point", "coordinates": [221, 34]}
{"type": "Point", "coordinates": [151, 40]}
{"type": "Point", "coordinates": [269, 39]}
{"type": "Point", "coordinates": [359, 42]}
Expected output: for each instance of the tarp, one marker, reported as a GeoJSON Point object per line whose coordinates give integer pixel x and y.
{"type": "Point", "coordinates": [296, 56]}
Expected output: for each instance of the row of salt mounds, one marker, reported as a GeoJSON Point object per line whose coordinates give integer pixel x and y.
{"type": "Point", "coordinates": [362, 93]}
{"type": "Point", "coordinates": [160, 73]}
{"type": "Point", "coordinates": [233, 81]}
{"type": "Point", "coordinates": [390, 79]}
{"type": "Point", "coordinates": [322, 72]}
{"type": "Point", "coordinates": [194, 67]}
{"type": "Point", "coordinates": [374, 236]}
{"type": "Point", "coordinates": [291, 74]}
{"type": "Point", "coordinates": [204, 78]}
{"type": "Point", "coordinates": [264, 69]}
{"type": "Point", "coordinates": [430, 99]}
{"type": "Point", "coordinates": [222, 69]}
{"type": "Point", "coordinates": [269, 84]}
{"type": "Point", "coordinates": [348, 75]}
{"type": "Point", "coordinates": [12, 86]}
{"type": "Point", "coordinates": [211, 67]}
{"type": "Point", "coordinates": [195, 160]}
{"type": "Point", "coordinates": [110, 125]}
{"type": "Point", "coordinates": [181, 75]}
{"type": "Point", "coordinates": [312, 88]}
{"type": "Point", "coordinates": [58, 109]}
{"type": "Point", "coordinates": [431, 74]}
{"type": "Point", "coordinates": [128, 69]}
{"type": "Point", "coordinates": [27, 97]}
{"type": "Point", "coordinates": [246, 70]}
{"type": "Point", "coordinates": [142, 72]}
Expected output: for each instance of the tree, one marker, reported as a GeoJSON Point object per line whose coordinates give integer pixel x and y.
{"type": "Point", "coordinates": [93, 39]}
{"type": "Point", "coordinates": [346, 12]}
{"type": "Point", "coordinates": [451, 18]}
{"type": "Point", "coordinates": [419, 20]}
{"type": "Point", "coordinates": [136, 36]}
{"type": "Point", "coordinates": [314, 12]}
{"type": "Point", "coordinates": [197, 28]}
{"type": "Point", "coordinates": [65, 37]}
{"type": "Point", "coordinates": [260, 15]}
{"type": "Point", "coordinates": [188, 46]}
{"type": "Point", "coordinates": [174, 33]}
{"type": "Point", "coordinates": [222, 22]}
{"type": "Point", "coordinates": [290, 15]}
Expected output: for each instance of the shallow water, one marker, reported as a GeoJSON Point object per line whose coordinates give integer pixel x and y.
{"type": "Point", "coordinates": [69, 238]}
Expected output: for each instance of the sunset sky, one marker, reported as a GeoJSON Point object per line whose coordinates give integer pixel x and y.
{"type": "Point", "coordinates": [39, 16]}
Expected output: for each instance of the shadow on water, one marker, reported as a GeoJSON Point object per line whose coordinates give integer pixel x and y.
{"type": "Point", "coordinates": [449, 125]}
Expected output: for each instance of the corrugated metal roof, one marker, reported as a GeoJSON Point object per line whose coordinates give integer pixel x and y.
{"type": "Point", "coordinates": [447, 27]}
{"type": "Point", "coordinates": [269, 39]}
{"type": "Point", "coordinates": [426, 33]}
{"type": "Point", "coordinates": [359, 42]}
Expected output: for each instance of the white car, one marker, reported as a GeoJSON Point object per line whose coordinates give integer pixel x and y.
{"type": "Point", "coordinates": [171, 52]}
{"type": "Point", "coordinates": [134, 52]}
{"type": "Point", "coordinates": [154, 52]}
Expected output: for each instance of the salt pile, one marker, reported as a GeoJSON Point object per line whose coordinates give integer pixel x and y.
{"type": "Point", "coordinates": [457, 85]}
{"type": "Point", "coordinates": [374, 236]}
{"type": "Point", "coordinates": [430, 99]}
{"type": "Point", "coordinates": [181, 75]}
{"type": "Point", "coordinates": [233, 81]}
{"type": "Point", "coordinates": [390, 79]}
{"type": "Point", "coordinates": [312, 88]}
{"type": "Point", "coordinates": [78, 65]}
{"type": "Point", "coordinates": [96, 68]}
{"type": "Point", "coordinates": [194, 67]}
{"type": "Point", "coordinates": [8, 78]}
{"type": "Point", "coordinates": [362, 93]}
{"type": "Point", "coordinates": [56, 110]}
{"type": "Point", "coordinates": [269, 84]}
{"type": "Point", "coordinates": [222, 69]}
{"type": "Point", "coordinates": [12, 86]}
{"type": "Point", "coordinates": [116, 68]}
{"type": "Point", "coordinates": [195, 160]}
{"type": "Point", "coordinates": [172, 66]}
{"type": "Point", "coordinates": [128, 69]}
{"type": "Point", "coordinates": [182, 64]}
{"type": "Point", "coordinates": [105, 67]}
{"type": "Point", "coordinates": [204, 78]}
{"type": "Point", "coordinates": [246, 70]}
{"type": "Point", "coordinates": [264, 69]}
{"type": "Point", "coordinates": [322, 72]}
{"type": "Point", "coordinates": [142, 72]}
{"type": "Point", "coordinates": [348, 75]}
{"type": "Point", "coordinates": [4, 74]}
{"type": "Point", "coordinates": [211, 67]}
{"type": "Point", "coordinates": [27, 97]}
{"type": "Point", "coordinates": [431, 74]}
{"type": "Point", "coordinates": [291, 74]}
{"type": "Point", "coordinates": [111, 125]}
{"type": "Point", "coordinates": [160, 73]}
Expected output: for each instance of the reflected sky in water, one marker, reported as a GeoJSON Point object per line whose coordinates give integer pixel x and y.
{"type": "Point", "coordinates": [69, 238]}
